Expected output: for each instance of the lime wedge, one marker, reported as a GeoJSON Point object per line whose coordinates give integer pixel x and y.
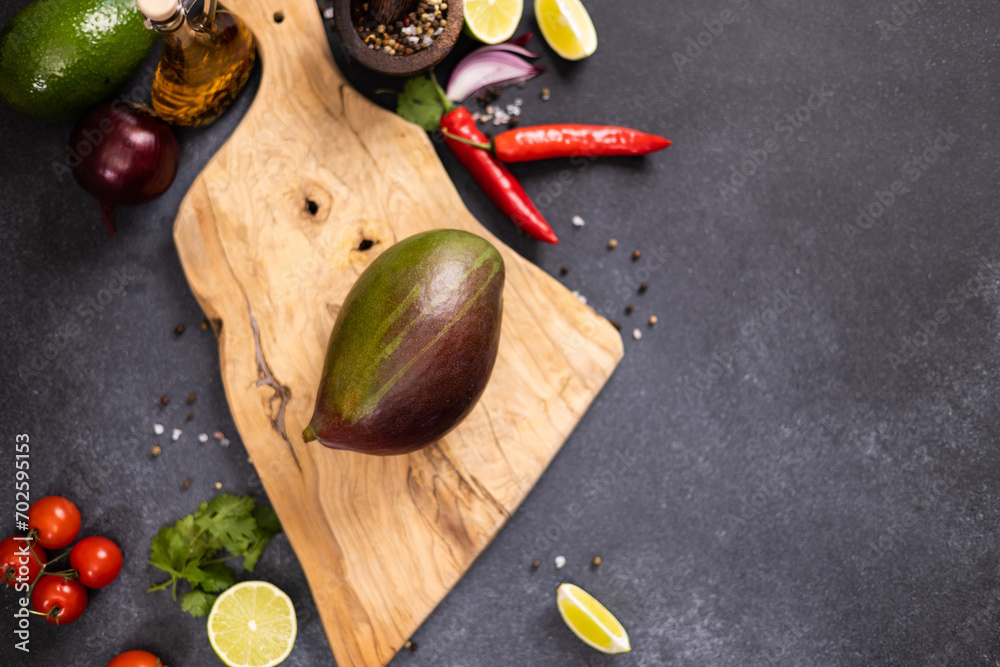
{"type": "Point", "coordinates": [493, 21]}
{"type": "Point", "coordinates": [566, 26]}
{"type": "Point", "coordinates": [590, 621]}
{"type": "Point", "coordinates": [252, 624]}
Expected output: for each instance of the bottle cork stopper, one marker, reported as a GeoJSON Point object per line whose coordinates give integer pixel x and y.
{"type": "Point", "coordinates": [157, 10]}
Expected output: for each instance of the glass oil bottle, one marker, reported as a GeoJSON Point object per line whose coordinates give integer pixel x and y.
{"type": "Point", "coordinates": [204, 63]}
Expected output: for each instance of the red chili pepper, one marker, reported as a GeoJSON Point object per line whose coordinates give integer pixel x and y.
{"type": "Point", "coordinates": [493, 177]}
{"type": "Point", "coordinates": [544, 142]}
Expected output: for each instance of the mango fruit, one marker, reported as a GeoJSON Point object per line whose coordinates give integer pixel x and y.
{"type": "Point", "coordinates": [413, 346]}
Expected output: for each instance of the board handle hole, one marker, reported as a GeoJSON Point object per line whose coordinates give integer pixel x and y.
{"type": "Point", "coordinates": [365, 244]}
{"type": "Point", "coordinates": [311, 206]}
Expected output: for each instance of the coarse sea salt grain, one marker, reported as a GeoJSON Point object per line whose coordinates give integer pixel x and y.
{"type": "Point", "coordinates": [637, 334]}
{"type": "Point", "coordinates": [158, 429]}
{"type": "Point", "coordinates": [224, 442]}
{"type": "Point", "coordinates": [581, 297]}
{"type": "Point", "coordinates": [560, 561]}
{"type": "Point", "coordinates": [203, 437]}
{"type": "Point", "coordinates": [578, 221]}
{"type": "Point", "coordinates": [175, 435]}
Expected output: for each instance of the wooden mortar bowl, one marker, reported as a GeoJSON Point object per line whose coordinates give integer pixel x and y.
{"type": "Point", "coordinates": [383, 63]}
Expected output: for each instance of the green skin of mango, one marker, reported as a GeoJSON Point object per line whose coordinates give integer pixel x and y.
{"type": "Point", "coordinates": [58, 58]}
{"type": "Point", "coordinates": [413, 346]}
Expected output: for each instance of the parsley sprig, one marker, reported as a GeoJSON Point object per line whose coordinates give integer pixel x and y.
{"type": "Point", "coordinates": [190, 549]}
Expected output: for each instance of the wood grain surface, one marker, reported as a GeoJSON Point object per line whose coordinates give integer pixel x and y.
{"type": "Point", "coordinates": [269, 238]}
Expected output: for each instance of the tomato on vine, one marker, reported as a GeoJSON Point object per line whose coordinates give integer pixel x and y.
{"type": "Point", "coordinates": [61, 600]}
{"type": "Point", "coordinates": [98, 561]}
{"type": "Point", "coordinates": [18, 563]}
{"type": "Point", "coordinates": [136, 659]}
{"type": "Point", "coordinates": [56, 520]}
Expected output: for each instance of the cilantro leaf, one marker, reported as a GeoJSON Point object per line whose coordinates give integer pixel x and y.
{"type": "Point", "coordinates": [228, 519]}
{"type": "Point", "coordinates": [161, 553]}
{"type": "Point", "coordinates": [217, 577]}
{"type": "Point", "coordinates": [197, 603]}
{"type": "Point", "coordinates": [190, 549]}
{"type": "Point", "coordinates": [423, 102]}
{"type": "Point", "coordinates": [268, 526]}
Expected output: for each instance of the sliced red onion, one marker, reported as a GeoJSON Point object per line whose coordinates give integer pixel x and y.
{"type": "Point", "coordinates": [500, 65]}
{"type": "Point", "coordinates": [509, 47]}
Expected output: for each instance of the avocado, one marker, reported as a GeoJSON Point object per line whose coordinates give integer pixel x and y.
{"type": "Point", "coordinates": [61, 57]}
{"type": "Point", "coordinates": [413, 346]}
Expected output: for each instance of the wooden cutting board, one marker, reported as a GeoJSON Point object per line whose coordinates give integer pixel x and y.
{"type": "Point", "coordinates": [269, 236]}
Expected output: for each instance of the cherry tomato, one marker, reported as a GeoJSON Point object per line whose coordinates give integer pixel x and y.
{"type": "Point", "coordinates": [68, 595]}
{"type": "Point", "coordinates": [136, 659]}
{"type": "Point", "coordinates": [97, 559]}
{"type": "Point", "coordinates": [15, 554]}
{"type": "Point", "coordinates": [57, 521]}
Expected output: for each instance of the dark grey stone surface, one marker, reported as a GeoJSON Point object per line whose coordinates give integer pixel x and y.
{"type": "Point", "coordinates": [807, 471]}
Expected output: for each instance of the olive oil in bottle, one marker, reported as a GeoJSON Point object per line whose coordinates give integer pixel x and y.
{"type": "Point", "coordinates": [204, 62]}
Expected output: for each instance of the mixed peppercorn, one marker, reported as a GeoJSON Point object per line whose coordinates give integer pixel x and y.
{"type": "Point", "coordinates": [414, 32]}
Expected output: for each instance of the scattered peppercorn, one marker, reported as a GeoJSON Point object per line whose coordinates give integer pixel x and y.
{"type": "Point", "coordinates": [514, 122]}
{"type": "Point", "coordinates": [204, 325]}
{"type": "Point", "coordinates": [596, 561]}
{"type": "Point", "coordinates": [218, 485]}
{"type": "Point", "coordinates": [613, 243]}
{"type": "Point", "coordinates": [156, 450]}
{"type": "Point", "coordinates": [653, 319]}
{"type": "Point", "coordinates": [535, 564]}
{"type": "Point", "coordinates": [563, 271]}
{"type": "Point", "coordinates": [164, 400]}
{"type": "Point", "coordinates": [546, 94]}
{"type": "Point", "coordinates": [629, 308]}
{"type": "Point", "coordinates": [179, 329]}
{"type": "Point", "coordinates": [413, 646]}
{"type": "Point", "coordinates": [490, 95]}
{"type": "Point", "coordinates": [636, 255]}
{"type": "Point", "coordinates": [191, 399]}
{"type": "Point", "coordinates": [219, 435]}
{"type": "Point", "coordinates": [190, 417]}
{"type": "Point", "coordinates": [186, 483]}
{"type": "Point", "coordinates": [642, 288]}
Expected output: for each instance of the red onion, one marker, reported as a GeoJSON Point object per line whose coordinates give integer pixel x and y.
{"type": "Point", "coordinates": [499, 65]}
{"type": "Point", "coordinates": [123, 156]}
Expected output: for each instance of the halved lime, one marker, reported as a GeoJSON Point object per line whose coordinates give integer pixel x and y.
{"type": "Point", "coordinates": [566, 26]}
{"type": "Point", "coordinates": [493, 21]}
{"type": "Point", "coordinates": [252, 624]}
